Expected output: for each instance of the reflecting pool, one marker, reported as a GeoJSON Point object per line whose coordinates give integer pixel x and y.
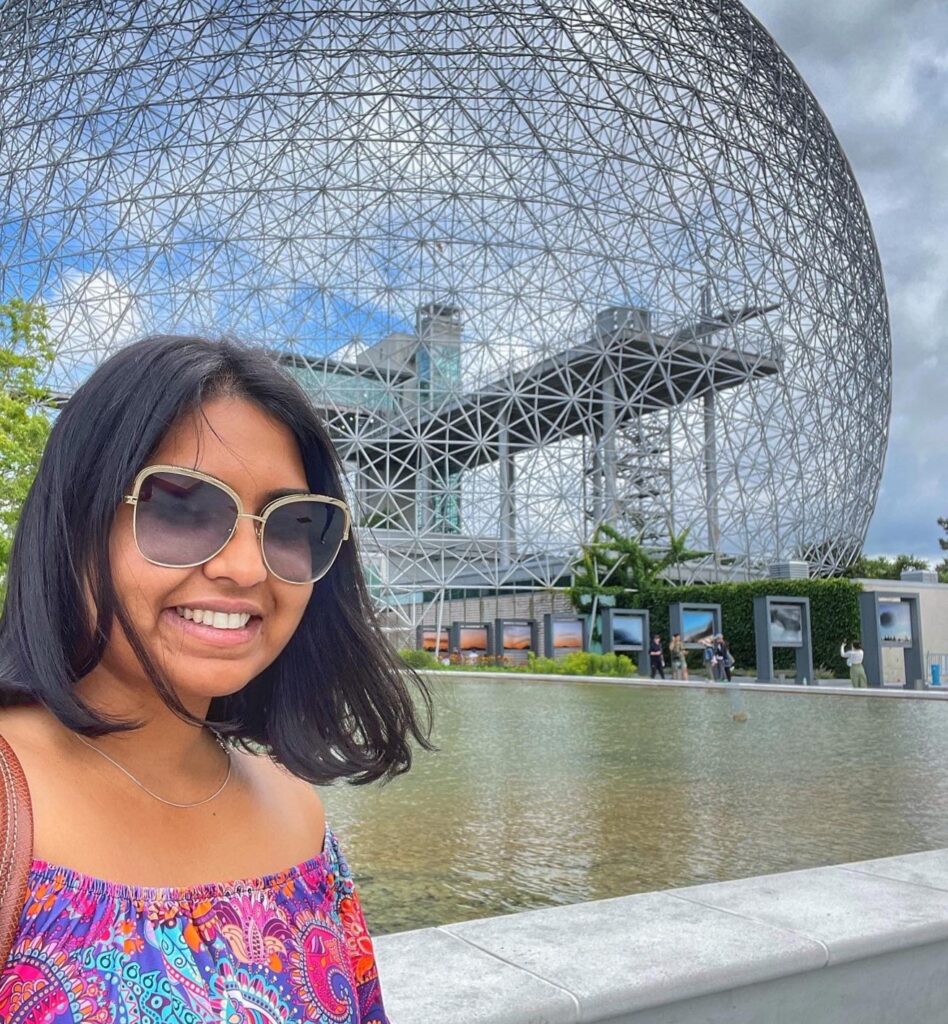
{"type": "Point", "coordinates": [555, 793]}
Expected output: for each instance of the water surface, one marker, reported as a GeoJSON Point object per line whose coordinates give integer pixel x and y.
{"type": "Point", "coordinates": [556, 793]}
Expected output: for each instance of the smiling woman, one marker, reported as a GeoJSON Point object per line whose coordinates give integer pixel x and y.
{"type": "Point", "coordinates": [184, 594]}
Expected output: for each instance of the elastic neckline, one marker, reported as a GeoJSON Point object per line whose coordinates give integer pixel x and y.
{"type": "Point", "coordinates": [69, 878]}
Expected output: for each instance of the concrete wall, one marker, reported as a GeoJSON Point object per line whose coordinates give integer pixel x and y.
{"type": "Point", "coordinates": [864, 942]}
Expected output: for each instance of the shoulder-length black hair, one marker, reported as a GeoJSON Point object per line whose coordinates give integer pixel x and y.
{"type": "Point", "coordinates": [334, 703]}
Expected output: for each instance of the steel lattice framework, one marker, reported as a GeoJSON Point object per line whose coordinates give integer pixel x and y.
{"type": "Point", "coordinates": [539, 266]}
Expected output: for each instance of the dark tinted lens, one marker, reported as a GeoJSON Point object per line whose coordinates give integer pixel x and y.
{"type": "Point", "coordinates": [301, 539]}
{"type": "Point", "coordinates": [180, 520]}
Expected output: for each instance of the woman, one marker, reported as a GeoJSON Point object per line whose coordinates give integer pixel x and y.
{"type": "Point", "coordinates": [854, 658]}
{"type": "Point", "coordinates": [679, 659]}
{"type": "Point", "coordinates": [723, 657]}
{"type": "Point", "coordinates": [715, 657]}
{"type": "Point", "coordinates": [187, 647]}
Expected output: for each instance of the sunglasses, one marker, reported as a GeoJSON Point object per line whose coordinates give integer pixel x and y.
{"type": "Point", "coordinates": [184, 518]}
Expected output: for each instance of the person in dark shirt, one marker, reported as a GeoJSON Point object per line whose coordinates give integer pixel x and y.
{"type": "Point", "coordinates": [656, 657]}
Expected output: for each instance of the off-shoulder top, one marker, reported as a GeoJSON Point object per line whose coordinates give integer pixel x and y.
{"type": "Point", "coordinates": [286, 948]}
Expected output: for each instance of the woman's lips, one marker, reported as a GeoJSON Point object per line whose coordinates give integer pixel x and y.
{"type": "Point", "coordinates": [211, 635]}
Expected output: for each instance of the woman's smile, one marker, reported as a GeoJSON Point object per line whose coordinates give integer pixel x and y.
{"type": "Point", "coordinates": [217, 629]}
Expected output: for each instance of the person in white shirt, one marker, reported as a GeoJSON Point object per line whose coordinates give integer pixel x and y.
{"type": "Point", "coordinates": [854, 656]}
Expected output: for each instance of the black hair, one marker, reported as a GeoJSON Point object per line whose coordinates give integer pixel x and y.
{"type": "Point", "coordinates": [337, 701]}
{"type": "Point", "coordinates": [857, 645]}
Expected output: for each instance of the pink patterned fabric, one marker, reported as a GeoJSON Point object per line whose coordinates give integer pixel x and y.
{"type": "Point", "coordinates": [288, 948]}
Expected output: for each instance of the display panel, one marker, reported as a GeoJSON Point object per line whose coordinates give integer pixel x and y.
{"type": "Point", "coordinates": [697, 624]}
{"type": "Point", "coordinates": [786, 625]}
{"type": "Point", "coordinates": [895, 623]}
{"type": "Point", "coordinates": [428, 636]}
{"type": "Point", "coordinates": [516, 636]}
{"type": "Point", "coordinates": [473, 638]}
{"type": "Point", "coordinates": [628, 632]}
{"type": "Point", "coordinates": [515, 640]}
{"type": "Point", "coordinates": [567, 636]}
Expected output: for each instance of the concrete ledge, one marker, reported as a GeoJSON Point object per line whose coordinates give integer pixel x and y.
{"type": "Point", "coordinates": [702, 684]}
{"type": "Point", "coordinates": [865, 941]}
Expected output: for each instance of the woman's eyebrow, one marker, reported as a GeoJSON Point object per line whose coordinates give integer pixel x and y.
{"type": "Point", "coordinates": [283, 492]}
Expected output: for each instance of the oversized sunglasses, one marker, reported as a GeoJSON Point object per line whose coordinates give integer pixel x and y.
{"type": "Point", "coordinates": [184, 518]}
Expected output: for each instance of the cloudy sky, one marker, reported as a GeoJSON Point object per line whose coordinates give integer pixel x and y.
{"type": "Point", "coordinates": [879, 69]}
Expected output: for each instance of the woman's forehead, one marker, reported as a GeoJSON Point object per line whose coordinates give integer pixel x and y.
{"type": "Point", "coordinates": [237, 442]}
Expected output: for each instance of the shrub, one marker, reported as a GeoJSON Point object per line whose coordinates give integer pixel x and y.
{"type": "Point", "coordinates": [419, 659]}
{"type": "Point", "coordinates": [582, 663]}
{"type": "Point", "coordinates": [579, 663]}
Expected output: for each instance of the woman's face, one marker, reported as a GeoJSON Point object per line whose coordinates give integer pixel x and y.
{"type": "Point", "coordinates": [239, 444]}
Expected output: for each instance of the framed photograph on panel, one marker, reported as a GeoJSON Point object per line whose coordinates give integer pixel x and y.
{"type": "Point", "coordinates": [697, 623]}
{"type": "Point", "coordinates": [624, 630]}
{"type": "Point", "coordinates": [426, 639]}
{"type": "Point", "coordinates": [786, 625]}
{"type": "Point", "coordinates": [471, 640]}
{"type": "Point", "coordinates": [895, 623]}
{"type": "Point", "coordinates": [515, 639]}
{"type": "Point", "coordinates": [563, 635]}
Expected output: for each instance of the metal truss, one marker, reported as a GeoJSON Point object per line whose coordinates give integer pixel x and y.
{"type": "Point", "coordinates": [538, 266]}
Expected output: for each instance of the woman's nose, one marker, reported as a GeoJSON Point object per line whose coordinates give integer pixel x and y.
{"type": "Point", "coordinates": [241, 558]}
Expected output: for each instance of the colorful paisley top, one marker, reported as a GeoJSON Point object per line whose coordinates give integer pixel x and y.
{"type": "Point", "coordinates": [288, 948]}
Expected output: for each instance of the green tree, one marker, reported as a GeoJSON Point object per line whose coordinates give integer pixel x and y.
{"type": "Point", "coordinates": [942, 567]}
{"type": "Point", "coordinates": [883, 568]}
{"type": "Point", "coordinates": [25, 358]}
{"type": "Point", "coordinates": [612, 563]}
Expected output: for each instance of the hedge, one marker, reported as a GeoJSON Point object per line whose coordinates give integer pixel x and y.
{"type": "Point", "coordinates": [834, 615]}
{"type": "Point", "coordinates": [578, 663]}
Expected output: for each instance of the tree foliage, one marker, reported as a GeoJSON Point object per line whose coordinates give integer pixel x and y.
{"type": "Point", "coordinates": [612, 563]}
{"type": "Point", "coordinates": [25, 358]}
{"type": "Point", "coordinates": [942, 567]}
{"type": "Point", "coordinates": [883, 568]}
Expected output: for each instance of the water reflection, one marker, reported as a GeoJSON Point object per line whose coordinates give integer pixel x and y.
{"type": "Point", "coordinates": [548, 794]}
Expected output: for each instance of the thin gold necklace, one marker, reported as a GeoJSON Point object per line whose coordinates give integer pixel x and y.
{"type": "Point", "coordinates": [141, 785]}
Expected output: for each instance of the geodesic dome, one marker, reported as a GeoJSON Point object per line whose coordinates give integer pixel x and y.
{"type": "Point", "coordinates": [538, 267]}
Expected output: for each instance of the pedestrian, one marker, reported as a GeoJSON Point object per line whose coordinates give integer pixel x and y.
{"type": "Point", "coordinates": [725, 660]}
{"type": "Point", "coordinates": [188, 648]}
{"type": "Point", "coordinates": [707, 656]}
{"type": "Point", "coordinates": [854, 658]}
{"type": "Point", "coordinates": [677, 653]}
{"type": "Point", "coordinates": [656, 657]}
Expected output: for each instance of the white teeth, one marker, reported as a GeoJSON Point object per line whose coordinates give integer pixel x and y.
{"type": "Point", "coordinates": [219, 620]}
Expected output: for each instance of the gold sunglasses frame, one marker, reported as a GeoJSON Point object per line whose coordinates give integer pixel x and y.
{"type": "Point", "coordinates": [260, 520]}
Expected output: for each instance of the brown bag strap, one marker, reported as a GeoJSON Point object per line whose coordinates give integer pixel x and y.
{"type": "Point", "coordinates": [16, 845]}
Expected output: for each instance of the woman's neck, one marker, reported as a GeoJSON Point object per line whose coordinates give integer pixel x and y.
{"type": "Point", "coordinates": [163, 740]}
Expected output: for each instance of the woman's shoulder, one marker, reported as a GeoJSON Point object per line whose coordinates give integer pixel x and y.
{"type": "Point", "coordinates": [293, 804]}
{"type": "Point", "coordinates": [35, 735]}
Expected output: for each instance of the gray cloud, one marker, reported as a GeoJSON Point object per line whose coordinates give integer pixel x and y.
{"type": "Point", "coordinates": [879, 69]}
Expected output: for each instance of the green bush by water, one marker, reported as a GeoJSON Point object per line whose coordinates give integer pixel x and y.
{"type": "Point", "coordinates": [414, 658]}
{"type": "Point", "coordinates": [582, 663]}
{"type": "Point", "coordinates": [579, 663]}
